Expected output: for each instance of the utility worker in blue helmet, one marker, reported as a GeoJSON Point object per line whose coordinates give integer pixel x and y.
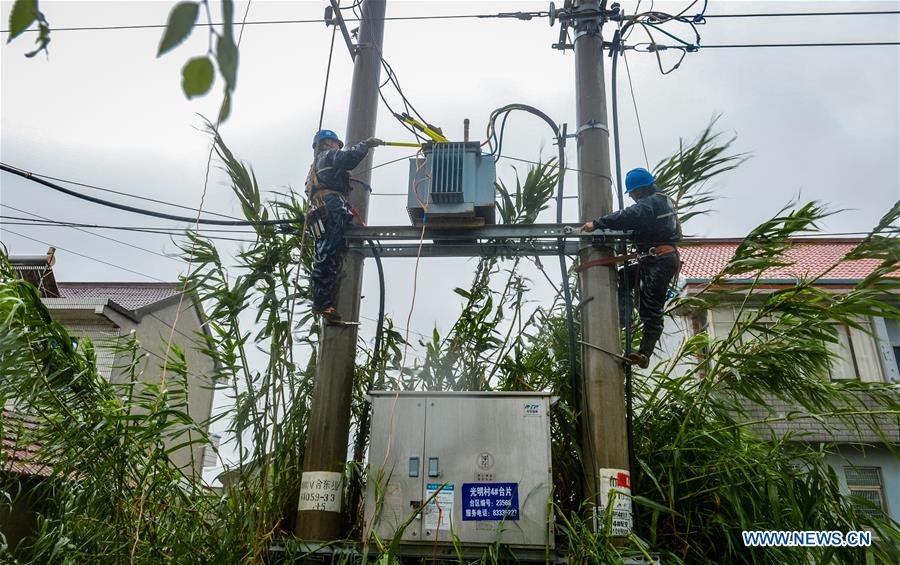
{"type": "Point", "coordinates": [654, 221]}
{"type": "Point", "coordinates": [327, 188]}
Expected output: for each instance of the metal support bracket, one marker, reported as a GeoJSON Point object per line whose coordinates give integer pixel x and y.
{"type": "Point", "coordinates": [585, 127]}
{"type": "Point", "coordinates": [333, 17]}
{"type": "Point", "coordinates": [504, 240]}
{"type": "Point", "coordinates": [580, 17]}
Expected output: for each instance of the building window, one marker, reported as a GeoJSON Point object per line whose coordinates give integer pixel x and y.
{"type": "Point", "coordinates": [865, 483]}
{"type": "Point", "coordinates": [723, 318]}
{"type": "Point", "coordinates": [893, 331]}
{"type": "Point", "coordinates": [855, 355]}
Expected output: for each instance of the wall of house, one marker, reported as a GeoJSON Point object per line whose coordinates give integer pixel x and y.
{"type": "Point", "coordinates": [872, 457]}
{"type": "Point", "coordinates": [152, 333]}
{"type": "Point", "coordinates": [85, 323]}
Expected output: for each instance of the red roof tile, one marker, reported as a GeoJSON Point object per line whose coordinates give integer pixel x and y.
{"type": "Point", "coordinates": [809, 259]}
{"type": "Point", "coordinates": [130, 295]}
{"type": "Point", "coordinates": [16, 457]}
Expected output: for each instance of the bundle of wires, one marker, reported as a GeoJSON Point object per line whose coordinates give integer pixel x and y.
{"type": "Point", "coordinates": [652, 20]}
{"type": "Point", "coordinates": [494, 140]}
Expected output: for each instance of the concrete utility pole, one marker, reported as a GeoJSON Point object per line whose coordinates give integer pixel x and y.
{"type": "Point", "coordinates": [605, 442]}
{"type": "Point", "coordinates": [319, 517]}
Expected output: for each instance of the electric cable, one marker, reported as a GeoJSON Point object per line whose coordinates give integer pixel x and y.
{"type": "Point", "coordinates": [190, 261]}
{"type": "Point", "coordinates": [119, 241]}
{"type": "Point", "coordinates": [800, 14]}
{"type": "Point", "coordinates": [22, 221]}
{"type": "Point", "coordinates": [637, 114]}
{"type": "Point", "coordinates": [639, 47]}
{"type": "Point", "coordinates": [511, 15]}
{"type": "Point", "coordinates": [145, 275]}
{"type": "Point", "coordinates": [504, 15]}
{"type": "Point", "coordinates": [72, 225]}
{"type": "Point", "coordinates": [363, 429]}
{"type": "Point", "coordinates": [564, 272]}
{"type": "Point", "coordinates": [629, 384]}
{"type": "Point", "coordinates": [157, 201]}
{"type": "Point", "coordinates": [86, 256]}
{"type": "Point", "coordinates": [135, 210]}
{"type": "Point", "coordinates": [136, 196]}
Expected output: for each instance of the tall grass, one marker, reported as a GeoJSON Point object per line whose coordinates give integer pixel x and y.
{"type": "Point", "coordinates": [706, 472]}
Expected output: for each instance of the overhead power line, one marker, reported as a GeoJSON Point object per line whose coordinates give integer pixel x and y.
{"type": "Point", "coordinates": [655, 47]}
{"type": "Point", "coordinates": [48, 221]}
{"type": "Point", "coordinates": [135, 196]}
{"type": "Point", "coordinates": [844, 44]}
{"type": "Point", "coordinates": [162, 215]}
{"type": "Point", "coordinates": [508, 15]}
{"type": "Point", "coordinates": [801, 14]}
{"type": "Point", "coordinates": [87, 256]}
{"type": "Point", "coordinates": [64, 224]}
{"type": "Point", "coordinates": [505, 15]}
{"type": "Point", "coordinates": [133, 209]}
{"type": "Point", "coordinates": [151, 277]}
{"type": "Point", "coordinates": [83, 227]}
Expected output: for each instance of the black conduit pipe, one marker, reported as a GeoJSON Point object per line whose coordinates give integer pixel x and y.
{"type": "Point", "coordinates": [629, 389]}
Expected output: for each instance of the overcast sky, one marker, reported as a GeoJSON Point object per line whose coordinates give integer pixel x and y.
{"type": "Point", "coordinates": [821, 123]}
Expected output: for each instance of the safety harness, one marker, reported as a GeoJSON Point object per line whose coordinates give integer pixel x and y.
{"type": "Point", "coordinates": [657, 251]}
{"type": "Point", "coordinates": [315, 193]}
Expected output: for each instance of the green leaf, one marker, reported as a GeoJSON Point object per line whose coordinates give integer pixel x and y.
{"type": "Point", "coordinates": [197, 76]}
{"type": "Point", "coordinates": [21, 16]}
{"type": "Point", "coordinates": [181, 22]}
{"type": "Point", "coordinates": [227, 55]}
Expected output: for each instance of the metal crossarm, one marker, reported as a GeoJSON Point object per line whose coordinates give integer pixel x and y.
{"type": "Point", "coordinates": [504, 240]}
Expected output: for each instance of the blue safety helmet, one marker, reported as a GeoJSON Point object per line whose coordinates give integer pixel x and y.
{"type": "Point", "coordinates": [326, 134]}
{"type": "Point", "coordinates": [638, 178]}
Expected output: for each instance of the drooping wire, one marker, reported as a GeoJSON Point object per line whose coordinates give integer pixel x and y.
{"type": "Point", "coordinates": [190, 261]}
{"type": "Point", "coordinates": [626, 282]}
{"type": "Point", "coordinates": [637, 114]}
{"type": "Point", "coordinates": [124, 207]}
{"type": "Point", "coordinates": [129, 195]}
{"type": "Point", "coordinates": [654, 20]}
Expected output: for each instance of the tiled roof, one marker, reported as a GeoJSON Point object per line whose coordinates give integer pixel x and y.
{"type": "Point", "coordinates": [809, 259]}
{"type": "Point", "coordinates": [16, 457]}
{"type": "Point", "coordinates": [130, 295]}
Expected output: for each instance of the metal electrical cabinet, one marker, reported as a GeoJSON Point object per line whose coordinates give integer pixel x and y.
{"type": "Point", "coordinates": [454, 183]}
{"type": "Point", "coordinates": [482, 458]}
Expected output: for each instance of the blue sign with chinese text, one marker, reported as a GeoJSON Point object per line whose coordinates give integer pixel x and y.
{"type": "Point", "coordinates": [490, 501]}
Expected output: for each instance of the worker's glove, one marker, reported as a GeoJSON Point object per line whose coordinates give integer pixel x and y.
{"type": "Point", "coordinates": [374, 142]}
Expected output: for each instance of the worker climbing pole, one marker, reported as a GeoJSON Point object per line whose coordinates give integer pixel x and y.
{"type": "Point", "coordinates": [648, 272]}
{"type": "Point", "coordinates": [319, 512]}
{"type": "Point", "coordinates": [327, 189]}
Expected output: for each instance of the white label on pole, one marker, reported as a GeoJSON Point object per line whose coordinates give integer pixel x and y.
{"type": "Point", "coordinates": [321, 490]}
{"type": "Point", "coordinates": [615, 484]}
{"type": "Point", "coordinates": [439, 510]}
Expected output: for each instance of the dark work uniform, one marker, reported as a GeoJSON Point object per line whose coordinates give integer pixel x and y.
{"type": "Point", "coordinates": [654, 221]}
{"type": "Point", "coordinates": [333, 168]}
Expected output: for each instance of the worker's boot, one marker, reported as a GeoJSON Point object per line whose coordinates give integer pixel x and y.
{"type": "Point", "coordinates": [639, 359]}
